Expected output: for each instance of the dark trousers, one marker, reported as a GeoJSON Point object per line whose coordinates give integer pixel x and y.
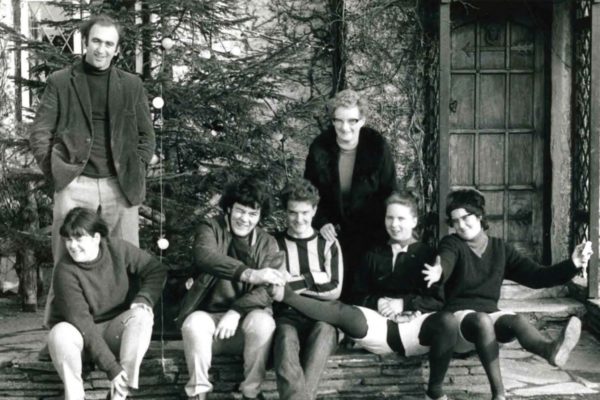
{"type": "Point", "coordinates": [301, 349]}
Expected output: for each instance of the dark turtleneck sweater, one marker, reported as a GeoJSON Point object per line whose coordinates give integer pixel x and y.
{"type": "Point", "coordinates": [86, 294]}
{"type": "Point", "coordinates": [100, 163]}
{"type": "Point", "coordinates": [473, 282]}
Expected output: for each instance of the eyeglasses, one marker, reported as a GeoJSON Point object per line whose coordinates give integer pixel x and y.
{"type": "Point", "coordinates": [340, 122]}
{"type": "Point", "coordinates": [455, 221]}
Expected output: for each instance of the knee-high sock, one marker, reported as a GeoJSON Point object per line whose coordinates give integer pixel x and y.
{"type": "Point", "coordinates": [439, 332]}
{"type": "Point", "coordinates": [477, 328]}
{"type": "Point", "coordinates": [510, 326]}
{"type": "Point", "coordinates": [348, 318]}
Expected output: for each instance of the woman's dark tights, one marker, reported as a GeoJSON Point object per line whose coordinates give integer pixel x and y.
{"type": "Point", "coordinates": [509, 327]}
{"type": "Point", "coordinates": [440, 332]}
{"type": "Point", "coordinates": [478, 329]}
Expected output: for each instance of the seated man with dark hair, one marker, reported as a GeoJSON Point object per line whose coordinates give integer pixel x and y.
{"type": "Point", "coordinates": [303, 345]}
{"type": "Point", "coordinates": [225, 311]}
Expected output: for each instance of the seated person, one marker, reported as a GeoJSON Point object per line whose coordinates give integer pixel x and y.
{"type": "Point", "coordinates": [225, 310]}
{"type": "Point", "coordinates": [97, 310]}
{"type": "Point", "coordinates": [405, 332]}
{"type": "Point", "coordinates": [301, 344]}
{"type": "Point", "coordinates": [472, 265]}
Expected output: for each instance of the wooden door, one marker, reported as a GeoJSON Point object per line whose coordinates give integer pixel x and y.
{"type": "Point", "coordinates": [495, 125]}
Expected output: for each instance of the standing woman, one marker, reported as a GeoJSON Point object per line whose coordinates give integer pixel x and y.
{"type": "Point", "coordinates": [105, 289]}
{"type": "Point", "coordinates": [352, 167]}
{"type": "Point", "coordinates": [472, 266]}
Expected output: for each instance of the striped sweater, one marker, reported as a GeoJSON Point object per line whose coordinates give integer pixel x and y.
{"type": "Point", "coordinates": [315, 264]}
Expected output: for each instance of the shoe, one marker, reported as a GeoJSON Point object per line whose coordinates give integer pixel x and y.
{"type": "Point", "coordinates": [565, 342]}
{"type": "Point", "coordinates": [444, 397]}
{"type": "Point", "coordinates": [258, 397]}
{"type": "Point", "coordinates": [44, 354]}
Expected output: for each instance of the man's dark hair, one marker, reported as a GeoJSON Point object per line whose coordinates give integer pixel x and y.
{"type": "Point", "coordinates": [102, 20]}
{"type": "Point", "coordinates": [469, 199]}
{"type": "Point", "coordinates": [300, 190]}
{"type": "Point", "coordinates": [82, 221]}
{"type": "Point", "coordinates": [250, 192]}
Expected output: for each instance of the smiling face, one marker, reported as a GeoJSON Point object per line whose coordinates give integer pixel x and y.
{"type": "Point", "coordinates": [399, 222]}
{"type": "Point", "coordinates": [84, 248]}
{"type": "Point", "coordinates": [299, 218]}
{"type": "Point", "coordinates": [347, 122]}
{"type": "Point", "coordinates": [243, 219]}
{"type": "Point", "coordinates": [467, 225]}
{"type": "Point", "coordinates": [102, 46]}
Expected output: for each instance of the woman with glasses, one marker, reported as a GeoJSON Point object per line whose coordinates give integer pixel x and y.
{"type": "Point", "coordinates": [472, 265]}
{"type": "Point", "coordinates": [352, 167]}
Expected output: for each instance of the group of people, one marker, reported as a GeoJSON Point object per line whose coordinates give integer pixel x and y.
{"type": "Point", "coordinates": [348, 259]}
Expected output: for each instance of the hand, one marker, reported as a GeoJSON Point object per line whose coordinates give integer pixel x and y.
{"type": "Point", "coordinates": [581, 254]}
{"type": "Point", "coordinates": [155, 159]}
{"type": "Point", "coordinates": [227, 325]}
{"type": "Point", "coordinates": [433, 273]}
{"type": "Point", "coordinates": [118, 386]}
{"type": "Point", "coordinates": [276, 292]}
{"type": "Point", "coordinates": [389, 307]}
{"type": "Point", "coordinates": [143, 306]}
{"type": "Point", "coordinates": [328, 232]}
{"type": "Point", "coordinates": [405, 316]}
{"type": "Point", "coordinates": [266, 276]}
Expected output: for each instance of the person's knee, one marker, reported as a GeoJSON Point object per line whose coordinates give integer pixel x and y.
{"type": "Point", "coordinates": [259, 323]}
{"type": "Point", "coordinates": [63, 333]}
{"type": "Point", "coordinates": [478, 324]}
{"type": "Point", "coordinates": [140, 317]}
{"type": "Point", "coordinates": [198, 323]}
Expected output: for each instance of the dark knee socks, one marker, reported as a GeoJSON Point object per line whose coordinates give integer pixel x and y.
{"type": "Point", "coordinates": [348, 318]}
{"type": "Point", "coordinates": [478, 329]}
{"type": "Point", "coordinates": [439, 332]}
{"type": "Point", "coordinates": [509, 327]}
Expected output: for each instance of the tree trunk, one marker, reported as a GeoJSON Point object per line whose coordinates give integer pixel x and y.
{"type": "Point", "coordinates": [27, 265]}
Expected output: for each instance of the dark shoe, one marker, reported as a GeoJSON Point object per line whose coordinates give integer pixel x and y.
{"type": "Point", "coordinates": [44, 354]}
{"type": "Point", "coordinates": [565, 342]}
{"type": "Point", "coordinates": [259, 397]}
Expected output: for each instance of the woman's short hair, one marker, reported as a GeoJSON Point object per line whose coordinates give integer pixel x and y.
{"type": "Point", "coordinates": [471, 200]}
{"type": "Point", "coordinates": [250, 192]}
{"type": "Point", "coordinates": [300, 190]}
{"type": "Point", "coordinates": [348, 98]}
{"type": "Point", "coordinates": [82, 221]}
{"type": "Point", "coordinates": [102, 20]}
{"type": "Point", "coordinates": [405, 199]}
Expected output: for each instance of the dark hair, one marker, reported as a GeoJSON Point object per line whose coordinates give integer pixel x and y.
{"type": "Point", "coordinates": [348, 98]}
{"type": "Point", "coordinates": [249, 192]}
{"type": "Point", "coordinates": [102, 20]}
{"type": "Point", "coordinates": [403, 198]}
{"type": "Point", "coordinates": [83, 221]}
{"type": "Point", "coordinates": [469, 199]}
{"type": "Point", "coordinates": [300, 190]}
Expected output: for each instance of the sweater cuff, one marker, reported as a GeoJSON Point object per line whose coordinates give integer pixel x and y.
{"type": "Point", "coordinates": [114, 370]}
{"type": "Point", "coordinates": [238, 272]}
{"type": "Point", "coordinates": [298, 283]}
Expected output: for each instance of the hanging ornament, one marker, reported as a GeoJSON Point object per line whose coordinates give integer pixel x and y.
{"type": "Point", "coordinates": [162, 243]}
{"type": "Point", "coordinates": [158, 102]}
{"type": "Point", "coordinates": [167, 43]}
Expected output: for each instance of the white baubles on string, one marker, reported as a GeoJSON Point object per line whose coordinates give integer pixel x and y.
{"type": "Point", "coordinates": [162, 243]}
{"type": "Point", "coordinates": [158, 102]}
{"type": "Point", "coordinates": [167, 43]}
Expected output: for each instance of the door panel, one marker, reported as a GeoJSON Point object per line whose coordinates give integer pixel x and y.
{"type": "Point", "coordinates": [496, 139]}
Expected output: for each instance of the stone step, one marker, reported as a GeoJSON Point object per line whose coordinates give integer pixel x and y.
{"type": "Point", "coordinates": [543, 311]}
{"type": "Point", "coordinates": [513, 291]}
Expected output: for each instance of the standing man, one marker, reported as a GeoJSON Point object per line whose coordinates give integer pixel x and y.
{"type": "Point", "coordinates": [352, 167]}
{"type": "Point", "coordinates": [303, 345]}
{"type": "Point", "coordinates": [225, 310]}
{"type": "Point", "coordinates": [93, 136]}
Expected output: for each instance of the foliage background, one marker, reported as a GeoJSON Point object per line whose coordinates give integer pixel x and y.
{"type": "Point", "coordinates": [244, 88]}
